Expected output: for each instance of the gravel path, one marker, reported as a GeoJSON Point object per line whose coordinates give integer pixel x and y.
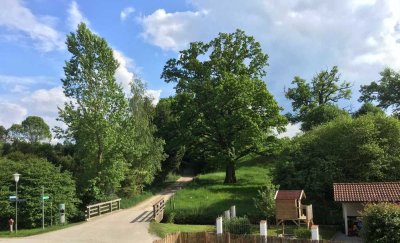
{"type": "Point", "coordinates": [126, 225]}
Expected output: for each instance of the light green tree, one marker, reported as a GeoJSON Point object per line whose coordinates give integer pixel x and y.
{"type": "Point", "coordinates": [95, 114]}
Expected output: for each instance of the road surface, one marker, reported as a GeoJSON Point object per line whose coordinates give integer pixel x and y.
{"type": "Point", "coordinates": [127, 225]}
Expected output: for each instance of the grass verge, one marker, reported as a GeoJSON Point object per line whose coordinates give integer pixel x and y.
{"type": "Point", "coordinates": [161, 229]}
{"type": "Point", "coordinates": [36, 231]}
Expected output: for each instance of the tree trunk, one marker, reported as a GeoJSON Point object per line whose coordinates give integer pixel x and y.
{"type": "Point", "coordinates": [230, 176]}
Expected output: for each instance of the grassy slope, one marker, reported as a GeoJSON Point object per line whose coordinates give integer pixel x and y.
{"type": "Point", "coordinates": [207, 196]}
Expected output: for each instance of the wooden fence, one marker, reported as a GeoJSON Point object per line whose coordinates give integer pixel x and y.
{"type": "Point", "coordinates": [208, 237]}
{"type": "Point", "coordinates": [158, 210]}
{"type": "Point", "coordinates": [102, 208]}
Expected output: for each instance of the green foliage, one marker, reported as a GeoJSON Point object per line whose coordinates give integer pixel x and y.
{"type": "Point", "coordinates": [35, 173]}
{"type": "Point", "coordinates": [384, 91]}
{"type": "Point", "coordinates": [264, 200]}
{"type": "Point", "coordinates": [320, 115]}
{"type": "Point", "coordinates": [238, 225]}
{"type": "Point", "coordinates": [33, 130]}
{"type": "Point", "coordinates": [367, 108]}
{"type": "Point", "coordinates": [325, 88]}
{"type": "Point", "coordinates": [302, 233]}
{"type": "Point", "coordinates": [381, 223]}
{"type": "Point", "coordinates": [162, 230]}
{"type": "Point", "coordinates": [224, 108]}
{"type": "Point", "coordinates": [113, 134]}
{"type": "Point", "coordinates": [366, 148]}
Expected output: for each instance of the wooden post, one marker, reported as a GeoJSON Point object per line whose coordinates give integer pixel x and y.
{"type": "Point", "coordinates": [227, 214]}
{"type": "Point", "coordinates": [233, 211]}
{"type": "Point", "coordinates": [314, 232]}
{"type": "Point", "coordinates": [98, 209]}
{"type": "Point", "coordinates": [88, 212]}
{"type": "Point", "coordinates": [219, 225]}
{"type": "Point", "coordinates": [111, 206]}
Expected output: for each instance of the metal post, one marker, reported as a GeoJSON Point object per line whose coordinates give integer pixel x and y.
{"type": "Point", "coordinates": [51, 213]}
{"type": "Point", "coordinates": [42, 207]}
{"type": "Point", "coordinates": [16, 207]}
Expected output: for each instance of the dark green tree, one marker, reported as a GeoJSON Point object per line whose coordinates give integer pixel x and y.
{"type": "Point", "coordinates": [320, 115]}
{"type": "Point", "coordinates": [95, 114]}
{"type": "Point", "coordinates": [386, 91]}
{"type": "Point", "coordinates": [368, 108]}
{"type": "Point", "coordinates": [223, 105]}
{"type": "Point", "coordinates": [325, 88]}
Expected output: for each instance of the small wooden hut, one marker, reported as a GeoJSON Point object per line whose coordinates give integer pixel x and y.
{"type": "Point", "coordinates": [289, 207]}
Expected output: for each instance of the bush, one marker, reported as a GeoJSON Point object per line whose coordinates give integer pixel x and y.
{"type": "Point", "coordinates": [302, 233]}
{"type": "Point", "coordinates": [265, 200]}
{"type": "Point", "coordinates": [239, 225]}
{"type": "Point", "coordinates": [381, 223]}
{"type": "Point", "coordinates": [35, 174]}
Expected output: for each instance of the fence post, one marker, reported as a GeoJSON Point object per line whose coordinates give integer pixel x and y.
{"type": "Point", "coordinates": [314, 232]}
{"type": "Point", "coordinates": [233, 211]}
{"type": "Point", "coordinates": [227, 214]}
{"type": "Point", "coordinates": [219, 225]}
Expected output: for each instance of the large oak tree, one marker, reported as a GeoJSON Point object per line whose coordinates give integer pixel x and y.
{"type": "Point", "coordinates": [222, 104]}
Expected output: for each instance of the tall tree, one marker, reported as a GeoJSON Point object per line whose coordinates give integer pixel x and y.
{"type": "Point", "coordinates": [386, 91]}
{"type": "Point", "coordinates": [95, 114]}
{"type": "Point", "coordinates": [320, 115]}
{"type": "Point", "coordinates": [221, 99]}
{"type": "Point", "coordinates": [325, 88]}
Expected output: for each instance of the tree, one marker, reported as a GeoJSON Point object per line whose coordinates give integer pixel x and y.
{"type": "Point", "coordinates": [33, 130]}
{"type": "Point", "coordinates": [368, 108]}
{"type": "Point", "coordinates": [3, 134]}
{"type": "Point", "coordinates": [143, 151]}
{"type": "Point", "coordinates": [325, 88]}
{"type": "Point", "coordinates": [346, 149]}
{"type": "Point", "coordinates": [265, 200]}
{"type": "Point", "coordinates": [222, 104]}
{"type": "Point", "coordinates": [95, 114]}
{"type": "Point", "coordinates": [320, 115]}
{"type": "Point", "coordinates": [381, 223]}
{"type": "Point", "coordinates": [386, 91]}
{"type": "Point", "coordinates": [35, 173]}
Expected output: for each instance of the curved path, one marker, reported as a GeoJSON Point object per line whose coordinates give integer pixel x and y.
{"type": "Point", "coordinates": [126, 225]}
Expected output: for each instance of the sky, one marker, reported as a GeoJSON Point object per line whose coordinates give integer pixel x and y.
{"type": "Point", "coordinates": [301, 38]}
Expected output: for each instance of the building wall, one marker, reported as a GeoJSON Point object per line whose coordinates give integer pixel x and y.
{"type": "Point", "coordinates": [287, 209]}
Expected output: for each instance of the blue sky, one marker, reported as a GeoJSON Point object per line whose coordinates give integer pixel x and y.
{"type": "Point", "coordinates": [300, 37]}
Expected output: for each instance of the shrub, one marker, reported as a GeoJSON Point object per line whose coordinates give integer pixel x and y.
{"type": "Point", "coordinates": [265, 200]}
{"type": "Point", "coordinates": [302, 233]}
{"type": "Point", "coordinates": [381, 223]}
{"type": "Point", "coordinates": [239, 225]}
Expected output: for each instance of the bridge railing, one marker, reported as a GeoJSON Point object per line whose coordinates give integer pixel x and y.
{"type": "Point", "coordinates": [158, 210]}
{"type": "Point", "coordinates": [102, 208]}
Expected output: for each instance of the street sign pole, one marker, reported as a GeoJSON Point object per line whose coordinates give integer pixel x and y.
{"type": "Point", "coordinates": [43, 207]}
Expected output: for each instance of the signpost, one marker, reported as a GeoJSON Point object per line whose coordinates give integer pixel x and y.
{"type": "Point", "coordinates": [44, 197]}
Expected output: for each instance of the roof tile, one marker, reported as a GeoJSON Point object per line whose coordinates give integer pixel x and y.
{"type": "Point", "coordinates": [367, 192]}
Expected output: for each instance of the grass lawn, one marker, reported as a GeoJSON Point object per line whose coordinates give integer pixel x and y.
{"type": "Point", "coordinates": [163, 229]}
{"type": "Point", "coordinates": [160, 229]}
{"type": "Point", "coordinates": [207, 197]}
{"type": "Point", "coordinates": [36, 231]}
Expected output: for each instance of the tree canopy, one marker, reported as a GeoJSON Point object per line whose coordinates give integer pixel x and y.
{"type": "Point", "coordinates": [325, 88]}
{"type": "Point", "coordinates": [33, 130]}
{"type": "Point", "coordinates": [320, 115]}
{"type": "Point", "coordinates": [386, 91]}
{"type": "Point", "coordinates": [220, 97]}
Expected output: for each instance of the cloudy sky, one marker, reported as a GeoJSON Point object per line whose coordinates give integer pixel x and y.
{"type": "Point", "coordinates": [301, 38]}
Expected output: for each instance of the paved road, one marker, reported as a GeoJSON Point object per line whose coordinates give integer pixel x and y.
{"type": "Point", "coordinates": [127, 225]}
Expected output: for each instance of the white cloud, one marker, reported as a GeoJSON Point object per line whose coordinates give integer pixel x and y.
{"type": "Point", "coordinates": [154, 95]}
{"type": "Point", "coordinates": [75, 16]}
{"type": "Point", "coordinates": [44, 102]}
{"type": "Point", "coordinates": [21, 22]}
{"type": "Point", "coordinates": [126, 12]}
{"type": "Point", "coordinates": [11, 113]}
{"type": "Point", "coordinates": [123, 74]}
{"type": "Point", "coordinates": [300, 37]}
{"type": "Point", "coordinates": [291, 130]}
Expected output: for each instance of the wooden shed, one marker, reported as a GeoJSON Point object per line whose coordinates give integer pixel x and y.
{"type": "Point", "coordinates": [288, 206]}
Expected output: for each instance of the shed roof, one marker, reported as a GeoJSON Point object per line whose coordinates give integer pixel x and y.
{"type": "Point", "coordinates": [289, 194]}
{"type": "Point", "coordinates": [367, 192]}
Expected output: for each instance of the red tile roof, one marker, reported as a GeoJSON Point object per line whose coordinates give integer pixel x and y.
{"type": "Point", "coordinates": [367, 192]}
{"type": "Point", "coordinates": [289, 194]}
